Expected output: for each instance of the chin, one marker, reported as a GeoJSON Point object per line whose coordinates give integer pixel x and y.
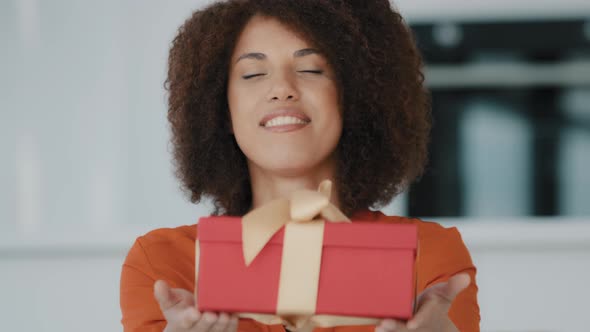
{"type": "Point", "coordinates": [289, 169]}
{"type": "Point", "coordinates": [291, 166]}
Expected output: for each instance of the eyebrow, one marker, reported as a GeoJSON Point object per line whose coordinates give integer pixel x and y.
{"type": "Point", "coordinates": [262, 56]}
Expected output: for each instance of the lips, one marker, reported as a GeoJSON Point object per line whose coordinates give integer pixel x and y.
{"type": "Point", "coordinates": [283, 117]}
{"type": "Point", "coordinates": [284, 121]}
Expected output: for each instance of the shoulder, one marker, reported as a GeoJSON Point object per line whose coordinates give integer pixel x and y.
{"type": "Point", "coordinates": [165, 253]}
{"type": "Point", "coordinates": [441, 250]}
{"type": "Point", "coordinates": [164, 241]}
{"type": "Point", "coordinates": [430, 233]}
{"type": "Point", "coordinates": [166, 236]}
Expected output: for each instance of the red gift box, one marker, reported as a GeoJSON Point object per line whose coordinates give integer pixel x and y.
{"type": "Point", "coordinates": [367, 269]}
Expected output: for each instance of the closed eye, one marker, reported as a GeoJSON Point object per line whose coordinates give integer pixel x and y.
{"type": "Point", "coordinates": [312, 71]}
{"type": "Point", "coordinates": [246, 77]}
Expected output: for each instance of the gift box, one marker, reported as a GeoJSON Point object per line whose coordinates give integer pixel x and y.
{"type": "Point", "coordinates": [358, 268]}
{"type": "Point", "coordinates": [366, 269]}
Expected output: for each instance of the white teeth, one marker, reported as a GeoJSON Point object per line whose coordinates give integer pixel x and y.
{"type": "Point", "coordinates": [283, 120]}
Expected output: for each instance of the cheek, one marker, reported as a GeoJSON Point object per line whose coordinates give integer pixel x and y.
{"type": "Point", "coordinates": [328, 105]}
{"type": "Point", "coordinates": [334, 114]}
{"type": "Point", "coordinates": [244, 123]}
{"type": "Point", "coordinates": [238, 107]}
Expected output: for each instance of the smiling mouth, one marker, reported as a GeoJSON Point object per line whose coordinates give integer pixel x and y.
{"type": "Point", "coordinates": [284, 124]}
{"type": "Point", "coordinates": [284, 121]}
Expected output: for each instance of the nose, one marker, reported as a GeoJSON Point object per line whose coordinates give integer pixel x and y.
{"type": "Point", "coordinates": [283, 89]}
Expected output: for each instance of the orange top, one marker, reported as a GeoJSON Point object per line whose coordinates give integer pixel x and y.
{"type": "Point", "coordinates": [169, 254]}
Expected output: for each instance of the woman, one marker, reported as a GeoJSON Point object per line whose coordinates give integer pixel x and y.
{"type": "Point", "coordinates": [271, 96]}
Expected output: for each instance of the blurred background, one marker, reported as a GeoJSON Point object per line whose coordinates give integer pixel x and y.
{"type": "Point", "coordinates": [85, 160]}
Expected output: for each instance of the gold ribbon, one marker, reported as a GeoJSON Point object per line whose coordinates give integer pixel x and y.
{"type": "Point", "coordinates": [303, 217]}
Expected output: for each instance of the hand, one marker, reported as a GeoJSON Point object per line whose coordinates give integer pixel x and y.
{"type": "Point", "coordinates": [433, 308]}
{"type": "Point", "coordinates": [180, 311]}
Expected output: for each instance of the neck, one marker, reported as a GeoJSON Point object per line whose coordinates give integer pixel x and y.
{"type": "Point", "coordinates": [268, 186]}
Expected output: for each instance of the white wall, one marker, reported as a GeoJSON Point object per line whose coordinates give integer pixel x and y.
{"type": "Point", "coordinates": [532, 274]}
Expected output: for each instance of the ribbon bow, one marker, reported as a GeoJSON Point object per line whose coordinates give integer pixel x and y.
{"type": "Point", "coordinates": [304, 217]}
{"type": "Point", "coordinates": [261, 224]}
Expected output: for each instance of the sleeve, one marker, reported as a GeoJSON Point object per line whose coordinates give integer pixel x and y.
{"type": "Point", "coordinates": [139, 308]}
{"type": "Point", "coordinates": [444, 255]}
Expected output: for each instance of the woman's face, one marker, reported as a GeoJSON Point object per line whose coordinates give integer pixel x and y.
{"type": "Point", "coordinates": [283, 100]}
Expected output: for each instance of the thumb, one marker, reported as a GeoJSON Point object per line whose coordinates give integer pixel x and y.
{"type": "Point", "coordinates": [439, 296]}
{"type": "Point", "coordinates": [447, 291]}
{"type": "Point", "coordinates": [164, 295]}
{"type": "Point", "coordinates": [455, 285]}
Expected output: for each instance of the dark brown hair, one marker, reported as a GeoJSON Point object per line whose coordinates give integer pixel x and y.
{"type": "Point", "coordinates": [385, 108]}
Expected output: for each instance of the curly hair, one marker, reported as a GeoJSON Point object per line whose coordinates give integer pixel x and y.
{"type": "Point", "coordinates": [385, 107]}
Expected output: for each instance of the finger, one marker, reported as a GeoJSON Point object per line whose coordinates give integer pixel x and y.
{"type": "Point", "coordinates": [428, 293]}
{"type": "Point", "coordinates": [188, 318]}
{"type": "Point", "coordinates": [457, 284]}
{"type": "Point", "coordinates": [205, 322]}
{"type": "Point", "coordinates": [233, 324]}
{"type": "Point", "coordinates": [425, 314]}
{"type": "Point", "coordinates": [387, 325]}
{"type": "Point", "coordinates": [164, 295]}
{"type": "Point", "coordinates": [447, 291]}
{"type": "Point", "coordinates": [221, 324]}
{"type": "Point", "coordinates": [438, 298]}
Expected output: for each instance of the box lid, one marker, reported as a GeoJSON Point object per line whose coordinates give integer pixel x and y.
{"type": "Point", "coordinates": [360, 234]}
